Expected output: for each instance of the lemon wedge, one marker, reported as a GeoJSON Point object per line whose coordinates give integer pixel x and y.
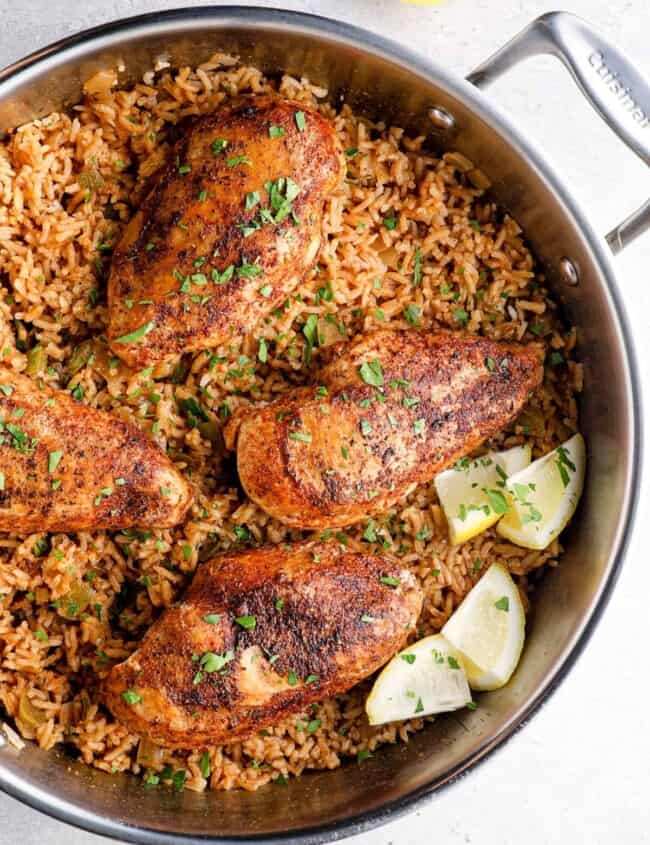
{"type": "Point", "coordinates": [425, 678]}
{"type": "Point", "coordinates": [543, 496]}
{"type": "Point", "coordinates": [488, 628]}
{"type": "Point", "coordinates": [471, 492]}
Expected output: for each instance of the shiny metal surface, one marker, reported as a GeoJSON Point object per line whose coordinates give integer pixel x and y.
{"type": "Point", "coordinates": [378, 78]}
{"type": "Point", "coordinates": [606, 77]}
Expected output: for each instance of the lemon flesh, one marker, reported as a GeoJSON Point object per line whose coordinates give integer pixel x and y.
{"type": "Point", "coordinates": [543, 496]}
{"type": "Point", "coordinates": [488, 629]}
{"type": "Point", "coordinates": [425, 678]}
{"type": "Point", "coordinates": [472, 492]}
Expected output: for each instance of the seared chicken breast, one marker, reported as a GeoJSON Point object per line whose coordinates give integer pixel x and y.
{"type": "Point", "coordinates": [230, 226]}
{"type": "Point", "coordinates": [261, 634]}
{"type": "Point", "coordinates": [391, 410]}
{"type": "Point", "coordinates": [67, 467]}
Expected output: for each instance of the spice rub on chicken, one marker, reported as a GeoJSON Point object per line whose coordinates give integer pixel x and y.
{"type": "Point", "coordinates": [230, 226]}
{"type": "Point", "coordinates": [67, 467]}
{"type": "Point", "coordinates": [261, 634]}
{"type": "Point", "coordinates": [391, 410]}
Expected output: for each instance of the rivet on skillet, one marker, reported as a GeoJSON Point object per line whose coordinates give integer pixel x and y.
{"type": "Point", "coordinates": [568, 272]}
{"type": "Point", "coordinates": [441, 118]}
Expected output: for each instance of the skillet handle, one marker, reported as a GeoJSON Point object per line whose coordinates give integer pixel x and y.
{"type": "Point", "coordinates": [610, 82]}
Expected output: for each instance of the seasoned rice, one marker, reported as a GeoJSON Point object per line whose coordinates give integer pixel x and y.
{"type": "Point", "coordinates": [410, 239]}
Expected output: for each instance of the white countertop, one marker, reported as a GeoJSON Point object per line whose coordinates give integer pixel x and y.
{"type": "Point", "coordinates": [580, 771]}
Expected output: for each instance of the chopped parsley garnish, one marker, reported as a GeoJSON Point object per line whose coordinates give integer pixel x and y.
{"type": "Point", "coordinates": [292, 678]}
{"type": "Point", "coordinates": [471, 705]}
{"type": "Point", "coordinates": [53, 460]}
{"type": "Point", "coordinates": [461, 316]}
{"type": "Point", "coordinates": [351, 152]}
{"type": "Point", "coordinates": [408, 658]}
{"type": "Point", "coordinates": [178, 779]}
{"type": "Point", "coordinates": [366, 427]}
{"type": "Point", "coordinates": [372, 373]}
{"type": "Point", "coordinates": [411, 314]}
{"type": "Point", "coordinates": [241, 532]}
{"type": "Point", "coordinates": [503, 604]}
{"type": "Point", "coordinates": [19, 440]}
{"type": "Point", "coordinates": [300, 435]}
{"type": "Point", "coordinates": [184, 169]}
{"type": "Point", "coordinates": [266, 291]}
{"type": "Point", "coordinates": [389, 581]}
{"type": "Point", "coordinates": [204, 765]}
{"type": "Point", "coordinates": [218, 146]}
{"type": "Point", "coordinates": [563, 464]}
{"type": "Point", "coordinates": [390, 222]}
{"type": "Point", "coordinates": [235, 161]}
{"type": "Point", "coordinates": [363, 754]}
{"type": "Point", "coordinates": [212, 618]}
{"type": "Point", "coordinates": [310, 679]}
{"type": "Point", "coordinates": [252, 199]}
{"type": "Point", "coordinates": [370, 533]}
{"type": "Point", "coordinates": [137, 334]}
{"type": "Point", "coordinates": [249, 623]}
{"type": "Point", "coordinates": [419, 707]}
{"type": "Point", "coordinates": [497, 500]}
{"type": "Point", "coordinates": [490, 364]}
{"type": "Point", "coordinates": [299, 117]}
{"type": "Point", "coordinates": [262, 351]}
{"type": "Point", "coordinates": [276, 131]}
{"type": "Point", "coordinates": [453, 663]}
{"type": "Point", "coordinates": [7, 389]}
{"type": "Point", "coordinates": [131, 696]}
{"type": "Point", "coordinates": [417, 267]}
{"type": "Point", "coordinates": [211, 662]}
{"type": "Point", "coordinates": [419, 426]}
{"type": "Point", "coordinates": [248, 270]}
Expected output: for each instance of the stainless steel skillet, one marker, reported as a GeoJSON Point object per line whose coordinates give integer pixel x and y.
{"type": "Point", "coordinates": [383, 79]}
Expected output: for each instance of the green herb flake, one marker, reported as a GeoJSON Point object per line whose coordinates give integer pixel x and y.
{"type": "Point", "coordinates": [366, 428]}
{"type": "Point", "coordinates": [252, 199]}
{"type": "Point", "coordinates": [204, 765]}
{"type": "Point", "coordinates": [503, 604]}
{"type": "Point", "coordinates": [411, 314]}
{"type": "Point", "coordinates": [389, 581]}
{"type": "Point", "coordinates": [390, 222]}
{"type": "Point", "coordinates": [137, 334]}
{"type": "Point", "coordinates": [276, 132]}
{"type": "Point", "coordinates": [301, 436]}
{"type": "Point", "coordinates": [53, 460]}
{"type": "Point", "coordinates": [372, 373]}
{"type": "Point", "coordinates": [417, 267]}
{"type": "Point", "coordinates": [212, 618]}
{"type": "Point", "coordinates": [461, 316]}
{"type": "Point", "coordinates": [262, 351]}
{"type": "Point", "coordinates": [408, 658]}
{"type": "Point", "coordinates": [419, 426]}
{"type": "Point", "coordinates": [235, 161]}
{"type": "Point", "coordinates": [218, 146]}
{"type": "Point", "coordinates": [249, 623]}
{"type": "Point", "coordinates": [299, 117]}
{"type": "Point", "coordinates": [131, 697]}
